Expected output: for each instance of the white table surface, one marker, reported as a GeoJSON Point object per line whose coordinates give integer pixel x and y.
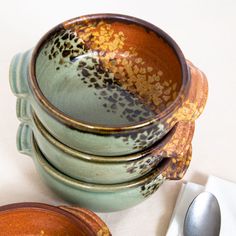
{"type": "Point", "coordinates": [205, 30]}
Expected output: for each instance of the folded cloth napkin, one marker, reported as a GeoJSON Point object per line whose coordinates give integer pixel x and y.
{"type": "Point", "coordinates": [225, 192]}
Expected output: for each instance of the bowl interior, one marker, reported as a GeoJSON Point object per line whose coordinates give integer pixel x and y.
{"type": "Point", "coordinates": [108, 71]}
{"type": "Point", "coordinates": [39, 221]}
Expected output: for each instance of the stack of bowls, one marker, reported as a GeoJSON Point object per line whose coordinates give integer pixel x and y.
{"type": "Point", "coordinates": [107, 104]}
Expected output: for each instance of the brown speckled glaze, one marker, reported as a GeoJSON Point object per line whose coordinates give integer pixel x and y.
{"type": "Point", "coordinates": [178, 166]}
{"type": "Point", "coordinates": [44, 220]}
{"type": "Point", "coordinates": [194, 105]}
{"type": "Point", "coordinates": [174, 145]}
{"type": "Point", "coordinates": [178, 142]}
{"type": "Point", "coordinates": [119, 52]}
{"type": "Point", "coordinates": [143, 165]}
{"type": "Point", "coordinates": [172, 169]}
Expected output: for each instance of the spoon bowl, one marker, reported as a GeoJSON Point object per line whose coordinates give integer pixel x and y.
{"type": "Point", "coordinates": [203, 216]}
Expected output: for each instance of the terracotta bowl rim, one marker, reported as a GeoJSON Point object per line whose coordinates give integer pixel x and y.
{"type": "Point", "coordinates": [36, 205]}
{"type": "Point", "coordinates": [39, 205]}
{"type": "Point", "coordinates": [93, 128]}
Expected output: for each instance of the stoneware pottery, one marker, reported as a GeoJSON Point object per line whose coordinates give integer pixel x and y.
{"type": "Point", "coordinates": [105, 197]}
{"type": "Point", "coordinates": [41, 219]}
{"type": "Point", "coordinates": [108, 84]}
{"type": "Point", "coordinates": [99, 169]}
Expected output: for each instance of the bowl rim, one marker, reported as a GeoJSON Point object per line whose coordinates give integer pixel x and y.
{"type": "Point", "coordinates": [48, 169]}
{"type": "Point", "coordinates": [95, 128]}
{"type": "Point", "coordinates": [72, 153]}
{"type": "Point", "coordinates": [75, 220]}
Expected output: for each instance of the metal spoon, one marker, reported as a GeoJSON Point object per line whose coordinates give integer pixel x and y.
{"type": "Point", "coordinates": [203, 217]}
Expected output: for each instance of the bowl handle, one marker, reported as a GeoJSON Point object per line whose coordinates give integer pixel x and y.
{"type": "Point", "coordinates": [23, 139]}
{"type": "Point", "coordinates": [23, 110]}
{"type": "Point", "coordinates": [179, 141]}
{"type": "Point", "coordinates": [179, 166]}
{"type": "Point", "coordinates": [194, 105]}
{"type": "Point", "coordinates": [18, 74]}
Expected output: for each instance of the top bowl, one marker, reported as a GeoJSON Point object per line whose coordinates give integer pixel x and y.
{"type": "Point", "coordinates": [108, 79]}
{"type": "Point", "coordinates": [108, 72]}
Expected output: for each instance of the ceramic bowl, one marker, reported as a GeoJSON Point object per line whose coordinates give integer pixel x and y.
{"type": "Point", "coordinates": [100, 169]}
{"type": "Point", "coordinates": [108, 84]}
{"type": "Point", "coordinates": [106, 197]}
{"type": "Point", "coordinates": [42, 219]}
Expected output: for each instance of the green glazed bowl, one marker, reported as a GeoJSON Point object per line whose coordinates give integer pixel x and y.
{"type": "Point", "coordinates": [108, 84]}
{"type": "Point", "coordinates": [100, 169]}
{"type": "Point", "coordinates": [102, 197]}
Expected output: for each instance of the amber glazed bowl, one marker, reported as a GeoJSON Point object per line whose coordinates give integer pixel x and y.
{"type": "Point", "coordinates": [108, 84]}
{"type": "Point", "coordinates": [40, 219]}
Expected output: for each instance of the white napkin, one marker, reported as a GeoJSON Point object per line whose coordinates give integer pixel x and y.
{"type": "Point", "coordinates": [187, 193]}
{"type": "Point", "coordinates": [225, 192]}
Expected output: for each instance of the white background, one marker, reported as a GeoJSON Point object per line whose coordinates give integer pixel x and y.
{"type": "Point", "coordinates": [205, 30]}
